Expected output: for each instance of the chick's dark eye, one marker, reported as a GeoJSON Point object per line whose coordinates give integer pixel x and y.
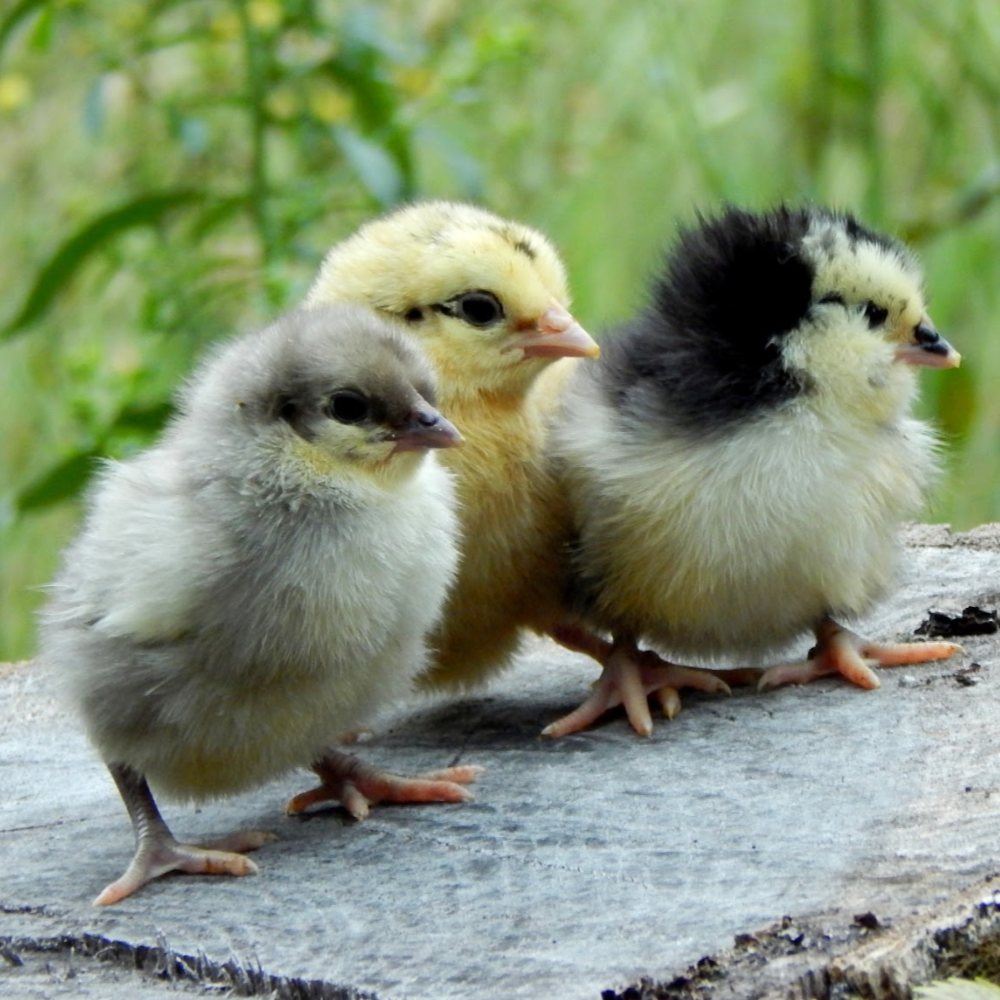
{"type": "Point", "coordinates": [347, 407]}
{"type": "Point", "coordinates": [478, 308]}
{"type": "Point", "coordinates": [875, 314]}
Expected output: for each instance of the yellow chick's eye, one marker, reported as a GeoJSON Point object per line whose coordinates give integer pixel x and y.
{"type": "Point", "coordinates": [347, 406]}
{"type": "Point", "coordinates": [875, 314]}
{"type": "Point", "coordinates": [478, 308]}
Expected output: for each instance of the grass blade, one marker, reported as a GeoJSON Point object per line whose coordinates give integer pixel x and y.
{"type": "Point", "coordinates": [62, 265]}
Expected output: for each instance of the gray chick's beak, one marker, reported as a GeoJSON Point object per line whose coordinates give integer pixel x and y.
{"type": "Point", "coordinates": [425, 428]}
{"type": "Point", "coordinates": [929, 349]}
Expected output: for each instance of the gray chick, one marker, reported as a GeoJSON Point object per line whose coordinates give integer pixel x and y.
{"type": "Point", "coordinates": [262, 580]}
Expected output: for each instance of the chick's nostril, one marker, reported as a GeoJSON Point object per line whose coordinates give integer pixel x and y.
{"type": "Point", "coordinates": [427, 418]}
{"type": "Point", "coordinates": [926, 335]}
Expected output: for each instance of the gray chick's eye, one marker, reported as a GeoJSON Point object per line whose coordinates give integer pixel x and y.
{"type": "Point", "coordinates": [478, 308]}
{"type": "Point", "coordinates": [347, 407]}
{"type": "Point", "coordinates": [875, 314]}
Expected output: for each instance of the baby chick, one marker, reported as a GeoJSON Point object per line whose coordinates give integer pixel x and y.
{"type": "Point", "coordinates": [262, 580]}
{"type": "Point", "coordinates": [488, 301]}
{"type": "Point", "coordinates": [741, 456]}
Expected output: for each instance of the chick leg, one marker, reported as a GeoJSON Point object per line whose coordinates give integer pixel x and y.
{"type": "Point", "coordinates": [629, 676]}
{"type": "Point", "coordinates": [358, 786]}
{"type": "Point", "coordinates": [156, 851]}
{"type": "Point", "coordinates": [840, 651]}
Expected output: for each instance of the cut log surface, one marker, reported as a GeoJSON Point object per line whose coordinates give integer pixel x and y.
{"type": "Point", "coordinates": [817, 841]}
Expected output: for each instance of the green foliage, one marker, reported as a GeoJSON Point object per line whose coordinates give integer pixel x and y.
{"type": "Point", "coordinates": [54, 274]}
{"type": "Point", "coordinates": [174, 170]}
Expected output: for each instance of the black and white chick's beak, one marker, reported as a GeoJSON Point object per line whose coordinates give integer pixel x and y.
{"type": "Point", "coordinates": [928, 348]}
{"type": "Point", "coordinates": [424, 428]}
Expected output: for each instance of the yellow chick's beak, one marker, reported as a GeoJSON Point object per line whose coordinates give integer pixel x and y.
{"type": "Point", "coordinates": [555, 334]}
{"type": "Point", "coordinates": [929, 348]}
{"type": "Point", "coordinates": [425, 428]}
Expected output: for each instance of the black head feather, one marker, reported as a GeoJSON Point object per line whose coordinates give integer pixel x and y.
{"type": "Point", "coordinates": [708, 349]}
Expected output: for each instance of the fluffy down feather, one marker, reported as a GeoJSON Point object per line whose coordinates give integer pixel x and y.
{"type": "Point", "coordinates": [741, 456]}
{"type": "Point", "coordinates": [264, 578]}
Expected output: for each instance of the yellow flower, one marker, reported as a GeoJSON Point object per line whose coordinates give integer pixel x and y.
{"type": "Point", "coordinates": [225, 26]}
{"type": "Point", "coordinates": [15, 91]}
{"type": "Point", "coordinates": [414, 81]}
{"type": "Point", "coordinates": [329, 104]}
{"type": "Point", "coordinates": [282, 103]}
{"type": "Point", "coordinates": [265, 15]}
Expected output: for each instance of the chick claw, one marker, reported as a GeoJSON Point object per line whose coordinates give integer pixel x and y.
{"type": "Point", "coordinates": [840, 651]}
{"type": "Point", "coordinates": [358, 786]}
{"type": "Point", "coordinates": [629, 677]}
{"type": "Point", "coordinates": [164, 854]}
{"type": "Point", "coordinates": [156, 850]}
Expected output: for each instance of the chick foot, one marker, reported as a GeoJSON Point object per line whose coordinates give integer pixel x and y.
{"type": "Point", "coordinates": [840, 651]}
{"type": "Point", "coordinates": [357, 786]}
{"type": "Point", "coordinates": [630, 675]}
{"type": "Point", "coordinates": [157, 852]}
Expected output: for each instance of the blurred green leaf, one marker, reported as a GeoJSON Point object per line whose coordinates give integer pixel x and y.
{"type": "Point", "coordinates": [375, 168]}
{"type": "Point", "coordinates": [69, 477]}
{"type": "Point", "coordinates": [63, 481]}
{"type": "Point", "coordinates": [41, 35]}
{"type": "Point", "coordinates": [16, 15]}
{"type": "Point", "coordinates": [63, 264]}
{"type": "Point", "coordinates": [957, 403]}
{"type": "Point", "coordinates": [149, 418]}
{"type": "Point", "coordinates": [93, 108]}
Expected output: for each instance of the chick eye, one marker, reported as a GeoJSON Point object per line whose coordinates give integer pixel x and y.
{"type": "Point", "coordinates": [478, 308]}
{"type": "Point", "coordinates": [347, 407]}
{"type": "Point", "coordinates": [876, 315]}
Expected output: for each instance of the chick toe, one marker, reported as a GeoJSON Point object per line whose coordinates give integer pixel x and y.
{"type": "Point", "coordinates": [841, 651]}
{"type": "Point", "coordinates": [630, 675]}
{"type": "Point", "coordinates": [156, 850]}
{"type": "Point", "coordinates": [899, 654]}
{"type": "Point", "coordinates": [357, 786]}
{"type": "Point", "coordinates": [162, 854]}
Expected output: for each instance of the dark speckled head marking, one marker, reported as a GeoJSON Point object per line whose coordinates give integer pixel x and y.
{"type": "Point", "coordinates": [516, 240]}
{"type": "Point", "coordinates": [707, 350]}
{"type": "Point", "coordinates": [523, 246]}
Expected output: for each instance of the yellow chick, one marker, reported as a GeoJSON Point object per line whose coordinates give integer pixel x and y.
{"type": "Point", "coordinates": [488, 301]}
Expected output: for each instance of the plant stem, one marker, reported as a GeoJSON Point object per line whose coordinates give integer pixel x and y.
{"type": "Point", "coordinates": [819, 121]}
{"type": "Point", "coordinates": [873, 76]}
{"type": "Point", "coordinates": [258, 193]}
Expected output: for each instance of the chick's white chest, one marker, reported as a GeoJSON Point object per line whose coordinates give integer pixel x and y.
{"type": "Point", "coordinates": [346, 611]}
{"type": "Point", "coordinates": [738, 544]}
{"type": "Point", "coordinates": [297, 630]}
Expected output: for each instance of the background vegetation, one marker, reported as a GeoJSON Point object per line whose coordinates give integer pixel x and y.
{"type": "Point", "coordinates": [173, 170]}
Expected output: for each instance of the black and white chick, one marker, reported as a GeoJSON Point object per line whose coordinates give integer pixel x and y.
{"type": "Point", "coordinates": [741, 455]}
{"type": "Point", "coordinates": [261, 581]}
